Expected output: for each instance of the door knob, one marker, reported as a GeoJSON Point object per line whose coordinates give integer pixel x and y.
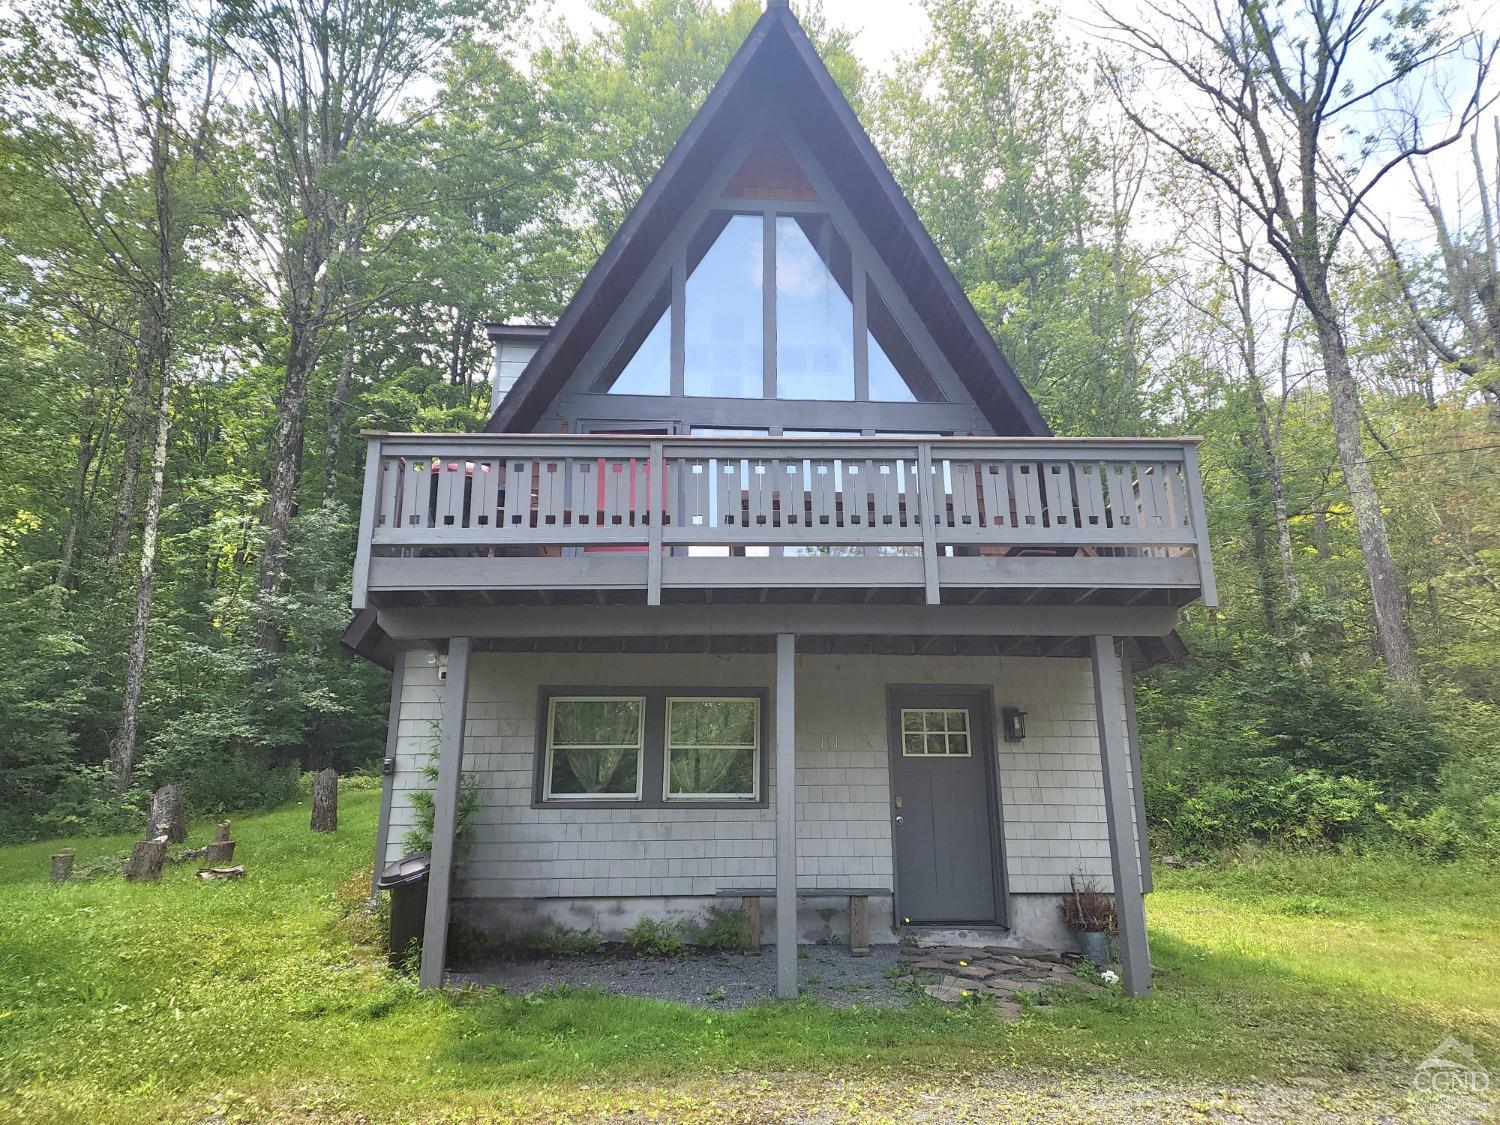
{"type": "Point", "coordinates": [901, 820]}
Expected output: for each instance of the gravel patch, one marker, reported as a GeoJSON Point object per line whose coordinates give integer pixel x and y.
{"type": "Point", "coordinates": [707, 978]}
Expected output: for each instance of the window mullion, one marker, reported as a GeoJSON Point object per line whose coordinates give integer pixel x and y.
{"type": "Point", "coordinates": [768, 303]}
{"type": "Point", "coordinates": [858, 283]}
{"type": "Point", "coordinates": [678, 379]}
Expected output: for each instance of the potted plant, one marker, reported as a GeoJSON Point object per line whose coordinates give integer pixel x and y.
{"type": "Point", "coordinates": [1089, 911]}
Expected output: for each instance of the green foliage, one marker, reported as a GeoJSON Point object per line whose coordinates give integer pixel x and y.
{"type": "Point", "coordinates": [418, 838]}
{"type": "Point", "coordinates": [722, 928]}
{"type": "Point", "coordinates": [558, 940]}
{"type": "Point", "coordinates": [657, 937]}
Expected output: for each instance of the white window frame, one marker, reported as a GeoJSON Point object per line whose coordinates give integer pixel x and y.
{"type": "Point", "coordinates": [640, 748]}
{"type": "Point", "coordinates": [667, 748]}
{"type": "Point", "coordinates": [924, 732]}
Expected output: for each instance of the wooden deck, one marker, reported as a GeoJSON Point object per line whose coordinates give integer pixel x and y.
{"type": "Point", "coordinates": [504, 519]}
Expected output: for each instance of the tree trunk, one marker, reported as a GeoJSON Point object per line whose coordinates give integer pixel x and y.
{"type": "Point", "coordinates": [1387, 595]}
{"type": "Point", "coordinates": [218, 854]}
{"type": "Point", "coordinates": [146, 859]}
{"type": "Point", "coordinates": [167, 817]}
{"type": "Point", "coordinates": [1276, 480]}
{"type": "Point", "coordinates": [137, 406]}
{"type": "Point", "coordinates": [62, 865]}
{"type": "Point", "coordinates": [291, 413]}
{"type": "Point", "coordinates": [325, 809]}
{"type": "Point", "coordinates": [336, 408]}
{"type": "Point", "coordinates": [122, 747]}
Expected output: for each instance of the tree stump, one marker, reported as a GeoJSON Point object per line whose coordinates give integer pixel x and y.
{"type": "Point", "coordinates": [62, 865]}
{"type": "Point", "coordinates": [167, 817]}
{"type": "Point", "coordinates": [218, 854]}
{"type": "Point", "coordinates": [146, 859]}
{"type": "Point", "coordinates": [221, 833]}
{"type": "Point", "coordinates": [325, 810]}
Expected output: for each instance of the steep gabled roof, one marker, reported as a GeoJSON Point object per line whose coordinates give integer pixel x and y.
{"type": "Point", "coordinates": [777, 77]}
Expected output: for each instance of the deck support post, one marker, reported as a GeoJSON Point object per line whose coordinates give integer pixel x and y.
{"type": "Point", "coordinates": [445, 811]}
{"type": "Point", "coordinates": [388, 767]}
{"type": "Point", "coordinates": [786, 816]}
{"type": "Point", "coordinates": [1114, 752]}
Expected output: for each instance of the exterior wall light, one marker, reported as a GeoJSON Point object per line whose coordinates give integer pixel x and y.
{"type": "Point", "coordinates": [1013, 721]}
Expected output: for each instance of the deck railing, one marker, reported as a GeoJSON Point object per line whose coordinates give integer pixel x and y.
{"type": "Point", "coordinates": [517, 496]}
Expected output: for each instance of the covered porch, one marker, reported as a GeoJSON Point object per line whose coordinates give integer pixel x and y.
{"type": "Point", "coordinates": [829, 672]}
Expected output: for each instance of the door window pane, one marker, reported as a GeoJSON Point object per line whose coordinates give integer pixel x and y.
{"type": "Point", "coordinates": [594, 747]}
{"type": "Point", "coordinates": [931, 732]}
{"type": "Point", "coordinates": [723, 316]}
{"type": "Point", "coordinates": [713, 747]}
{"type": "Point", "coordinates": [814, 312]}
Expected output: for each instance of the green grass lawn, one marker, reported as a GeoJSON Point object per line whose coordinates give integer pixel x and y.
{"type": "Point", "coordinates": [266, 997]}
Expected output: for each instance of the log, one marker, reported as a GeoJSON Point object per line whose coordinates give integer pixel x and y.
{"type": "Point", "coordinates": [221, 833]}
{"type": "Point", "coordinates": [62, 865]}
{"type": "Point", "coordinates": [146, 858]}
{"type": "Point", "coordinates": [222, 873]}
{"type": "Point", "coordinates": [167, 817]}
{"type": "Point", "coordinates": [219, 853]}
{"type": "Point", "coordinates": [325, 810]}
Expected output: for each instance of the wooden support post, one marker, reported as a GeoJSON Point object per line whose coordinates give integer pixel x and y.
{"type": "Point", "coordinates": [146, 859]}
{"type": "Point", "coordinates": [751, 906]}
{"type": "Point", "coordinates": [166, 817]}
{"type": "Point", "coordinates": [1130, 907]}
{"type": "Point", "coordinates": [388, 769]}
{"type": "Point", "coordinates": [928, 515]}
{"type": "Point", "coordinates": [656, 507]}
{"type": "Point", "coordinates": [62, 865]}
{"type": "Point", "coordinates": [325, 809]}
{"type": "Point", "coordinates": [445, 812]}
{"type": "Point", "coordinates": [786, 816]}
{"type": "Point", "coordinates": [859, 926]}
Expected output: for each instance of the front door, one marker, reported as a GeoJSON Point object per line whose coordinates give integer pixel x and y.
{"type": "Point", "coordinates": [945, 823]}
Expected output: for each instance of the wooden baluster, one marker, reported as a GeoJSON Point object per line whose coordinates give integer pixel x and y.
{"type": "Point", "coordinates": [965, 492]}
{"type": "Point", "coordinates": [994, 487]}
{"type": "Point", "coordinates": [416, 491]}
{"type": "Point", "coordinates": [1088, 486]}
{"type": "Point", "coordinates": [1153, 495]}
{"type": "Point", "coordinates": [552, 493]}
{"type": "Point", "coordinates": [695, 492]}
{"type": "Point", "coordinates": [760, 488]}
{"type": "Point", "coordinates": [1027, 491]}
{"type": "Point", "coordinates": [450, 493]}
{"type": "Point", "coordinates": [856, 493]}
{"type": "Point", "coordinates": [1059, 485]}
{"type": "Point", "coordinates": [485, 503]}
{"type": "Point", "coordinates": [821, 479]}
{"type": "Point", "coordinates": [883, 482]}
{"type": "Point", "coordinates": [390, 495]}
{"type": "Point", "coordinates": [517, 494]}
{"type": "Point", "coordinates": [1123, 511]}
{"type": "Point", "coordinates": [1176, 490]}
{"type": "Point", "coordinates": [730, 475]}
{"type": "Point", "coordinates": [617, 508]}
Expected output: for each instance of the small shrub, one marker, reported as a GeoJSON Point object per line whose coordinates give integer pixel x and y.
{"type": "Point", "coordinates": [724, 928]}
{"type": "Point", "coordinates": [419, 837]}
{"type": "Point", "coordinates": [652, 937]}
{"type": "Point", "coordinates": [1088, 909]}
{"type": "Point", "coordinates": [558, 940]}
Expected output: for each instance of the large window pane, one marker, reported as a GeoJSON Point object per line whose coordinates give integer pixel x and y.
{"type": "Point", "coordinates": [896, 374]}
{"type": "Point", "coordinates": [594, 747]}
{"type": "Point", "coordinates": [723, 328]}
{"type": "Point", "coordinates": [713, 747]}
{"type": "Point", "coordinates": [642, 364]}
{"type": "Point", "coordinates": [814, 313]}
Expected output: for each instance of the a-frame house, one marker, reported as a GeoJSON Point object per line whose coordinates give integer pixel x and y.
{"type": "Point", "coordinates": [768, 503]}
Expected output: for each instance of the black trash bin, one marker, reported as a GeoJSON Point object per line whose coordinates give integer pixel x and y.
{"type": "Point", "coordinates": [406, 879]}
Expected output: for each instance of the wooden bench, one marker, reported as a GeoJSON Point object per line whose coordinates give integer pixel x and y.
{"type": "Point", "coordinates": [859, 920]}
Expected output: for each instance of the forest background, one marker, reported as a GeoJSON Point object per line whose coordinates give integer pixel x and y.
{"type": "Point", "coordinates": [234, 234]}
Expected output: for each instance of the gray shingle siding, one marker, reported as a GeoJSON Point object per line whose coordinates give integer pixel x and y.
{"type": "Point", "coordinates": [1051, 786]}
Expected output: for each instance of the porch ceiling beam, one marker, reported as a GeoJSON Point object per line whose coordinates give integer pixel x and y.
{"type": "Point", "coordinates": [418, 623]}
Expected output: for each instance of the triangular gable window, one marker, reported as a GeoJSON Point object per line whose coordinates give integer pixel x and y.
{"type": "Point", "coordinates": [813, 316]}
